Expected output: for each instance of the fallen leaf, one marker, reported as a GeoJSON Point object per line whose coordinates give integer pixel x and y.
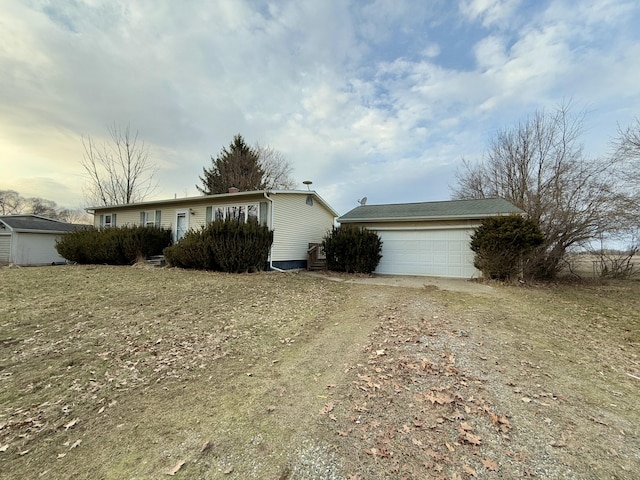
{"type": "Point", "coordinates": [449, 447]}
{"type": "Point", "coordinates": [470, 471]}
{"type": "Point", "coordinates": [72, 423]}
{"type": "Point", "coordinates": [75, 444]}
{"type": "Point", "coordinates": [62, 455]}
{"type": "Point", "coordinates": [526, 399]}
{"type": "Point", "coordinates": [471, 438]}
{"type": "Point", "coordinates": [176, 468]}
{"type": "Point", "coordinates": [380, 352]}
{"type": "Point", "coordinates": [326, 409]}
{"type": "Point", "coordinates": [205, 446]}
{"type": "Point", "coordinates": [490, 465]}
{"type": "Point", "coordinates": [228, 470]}
{"type": "Point", "coordinates": [23, 452]}
{"type": "Point", "coordinates": [466, 427]}
{"type": "Point", "coordinates": [4, 448]}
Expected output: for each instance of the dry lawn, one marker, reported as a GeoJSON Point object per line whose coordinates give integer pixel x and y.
{"type": "Point", "coordinates": [133, 372]}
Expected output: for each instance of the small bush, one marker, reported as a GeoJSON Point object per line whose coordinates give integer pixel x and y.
{"type": "Point", "coordinates": [502, 244]}
{"type": "Point", "coordinates": [113, 246]}
{"type": "Point", "coordinates": [352, 249]}
{"type": "Point", "coordinates": [228, 246]}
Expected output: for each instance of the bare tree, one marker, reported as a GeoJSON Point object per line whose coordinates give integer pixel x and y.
{"type": "Point", "coordinates": [42, 207]}
{"type": "Point", "coordinates": [627, 156]}
{"type": "Point", "coordinates": [277, 169]}
{"type": "Point", "coordinates": [119, 171]}
{"type": "Point", "coordinates": [74, 215]}
{"type": "Point", "coordinates": [539, 167]}
{"type": "Point", "coordinates": [11, 202]}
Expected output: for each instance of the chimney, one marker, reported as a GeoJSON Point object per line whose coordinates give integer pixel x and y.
{"type": "Point", "coordinates": [233, 190]}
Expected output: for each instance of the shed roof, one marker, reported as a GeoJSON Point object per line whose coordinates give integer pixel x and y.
{"type": "Point", "coordinates": [444, 210]}
{"type": "Point", "coordinates": [36, 223]}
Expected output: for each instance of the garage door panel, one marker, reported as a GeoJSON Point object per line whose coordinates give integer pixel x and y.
{"type": "Point", "coordinates": [443, 253]}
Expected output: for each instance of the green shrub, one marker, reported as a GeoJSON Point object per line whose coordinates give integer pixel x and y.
{"type": "Point", "coordinates": [228, 246]}
{"type": "Point", "coordinates": [502, 245]}
{"type": "Point", "coordinates": [113, 246]}
{"type": "Point", "coordinates": [352, 249]}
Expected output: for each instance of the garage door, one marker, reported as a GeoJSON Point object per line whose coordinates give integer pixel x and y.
{"type": "Point", "coordinates": [438, 253]}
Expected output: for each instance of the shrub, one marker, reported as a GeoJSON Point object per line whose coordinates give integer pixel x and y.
{"type": "Point", "coordinates": [502, 245]}
{"type": "Point", "coordinates": [113, 246]}
{"type": "Point", "coordinates": [352, 249]}
{"type": "Point", "coordinates": [228, 246]}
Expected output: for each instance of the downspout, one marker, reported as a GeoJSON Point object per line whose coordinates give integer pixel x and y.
{"type": "Point", "coordinates": [271, 224]}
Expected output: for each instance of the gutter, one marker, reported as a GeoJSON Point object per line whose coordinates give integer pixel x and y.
{"type": "Point", "coordinates": [475, 216]}
{"type": "Point", "coordinates": [266, 196]}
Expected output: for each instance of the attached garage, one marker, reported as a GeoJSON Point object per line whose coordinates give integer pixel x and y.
{"type": "Point", "coordinates": [31, 239]}
{"type": "Point", "coordinates": [430, 238]}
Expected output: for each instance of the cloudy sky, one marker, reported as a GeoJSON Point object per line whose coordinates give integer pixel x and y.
{"type": "Point", "coordinates": [373, 98]}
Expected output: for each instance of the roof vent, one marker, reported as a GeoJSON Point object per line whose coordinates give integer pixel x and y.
{"type": "Point", "coordinates": [233, 190]}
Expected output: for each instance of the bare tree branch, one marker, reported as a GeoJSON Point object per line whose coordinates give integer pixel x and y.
{"type": "Point", "coordinates": [539, 167]}
{"type": "Point", "coordinates": [11, 202]}
{"type": "Point", "coordinates": [119, 172]}
{"type": "Point", "coordinates": [277, 169]}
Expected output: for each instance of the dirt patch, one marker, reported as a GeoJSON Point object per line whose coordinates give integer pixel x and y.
{"type": "Point", "coordinates": [116, 372]}
{"type": "Point", "coordinates": [408, 281]}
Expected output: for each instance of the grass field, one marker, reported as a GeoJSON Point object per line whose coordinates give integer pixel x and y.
{"type": "Point", "coordinates": [134, 372]}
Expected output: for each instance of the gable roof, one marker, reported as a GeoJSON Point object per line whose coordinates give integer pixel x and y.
{"type": "Point", "coordinates": [30, 223]}
{"type": "Point", "coordinates": [444, 210]}
{"type": "Point", "coordinates": [214, 198]}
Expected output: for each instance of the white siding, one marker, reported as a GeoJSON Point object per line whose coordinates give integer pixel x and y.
{"type": "Point", "coordinates": [296, 224]}
{"type": "Point", "coordinates": [35, 249]}
{"type": "Point", "coordinates": [5, 248]}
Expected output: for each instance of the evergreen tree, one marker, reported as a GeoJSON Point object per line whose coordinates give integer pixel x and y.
{"type": "Point", "coordinates": [237, 166]}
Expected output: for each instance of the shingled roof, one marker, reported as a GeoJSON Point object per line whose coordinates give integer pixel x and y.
{"type": "Point", "coordinates": [445, 210]}
{"type": "Point", "coordinates": [24, 223]}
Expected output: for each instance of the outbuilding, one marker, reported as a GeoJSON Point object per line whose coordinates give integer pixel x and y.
{"type": "Point", "coordinates": [31, 239]}
{"type": "Point", "coordinates": [429, 238]}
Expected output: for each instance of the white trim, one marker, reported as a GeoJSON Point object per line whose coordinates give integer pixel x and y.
{"type": "Point", "coordinates": [437, 227]}
{"type": "Point", "coordinates": [181, 211]}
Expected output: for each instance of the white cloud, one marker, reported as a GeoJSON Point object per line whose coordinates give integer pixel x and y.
{"type": "Point", "coordinates": [489, 12]}
{"type": "Point", "coordinates": [374, 99]}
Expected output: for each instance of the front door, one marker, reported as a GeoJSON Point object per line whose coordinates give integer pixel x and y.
{"type": "Point", "coordinates": [182, 223]}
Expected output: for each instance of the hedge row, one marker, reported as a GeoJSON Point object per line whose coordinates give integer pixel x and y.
{"type": "Point", "coordinates": [227, 246]}
{"type": "Point", "coordinates": [352, 249]}
{"type": "Point", "coordinates": [113, 246]}
{"type": "Point", "coordinates": [502, 245]}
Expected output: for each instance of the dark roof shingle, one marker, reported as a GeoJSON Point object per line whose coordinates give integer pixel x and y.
{"type": "Point", "coordinates": [450, 209]}
{"type": "Point", "coordinates": [34, 222]}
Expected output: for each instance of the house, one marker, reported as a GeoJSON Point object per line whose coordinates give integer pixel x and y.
{"type": "Point", "coordinates": [430, 238]}
{"type": "Point", "coordinates": [31, 239]}
{"type": "Point", "coordinates": [296, 217]}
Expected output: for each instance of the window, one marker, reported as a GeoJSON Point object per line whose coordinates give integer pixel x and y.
{"type": "Point", "coordinates": [108, 220]}
{"type": "Point", "coordinates": [150, 218]}
{"type": "Point", "coordinates": [241, 213]}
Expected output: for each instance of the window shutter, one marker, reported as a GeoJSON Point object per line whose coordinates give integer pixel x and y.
{"type": "Point", "coordinates": [113, 220]}
{"type": "Point", "coordinates": [158, 215]}
{"type": "Point", "coordinates": [263, 213]}
{"type": "Point", "coordinates": [142, 218]}
{"type": "Point", "coordinates": [209, 215]}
